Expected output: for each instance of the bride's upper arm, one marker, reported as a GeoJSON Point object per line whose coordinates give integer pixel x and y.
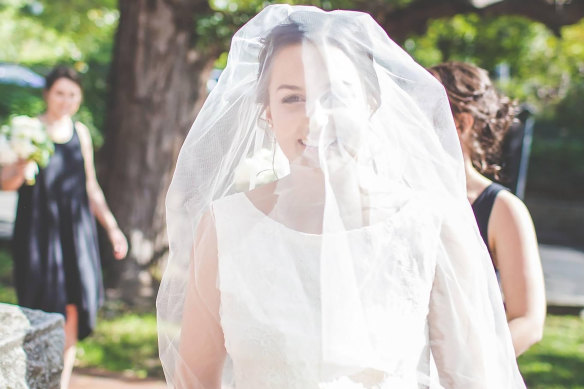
{"type": "Point", "coordinates": [201, 348]}
{"type": "Point", "coordinates": [468, 330]}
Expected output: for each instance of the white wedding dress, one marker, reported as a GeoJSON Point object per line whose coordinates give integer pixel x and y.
{"type": "Point", "coordinates": [400, 275]}
{"type": "Point", "coordinates": [270, 279]}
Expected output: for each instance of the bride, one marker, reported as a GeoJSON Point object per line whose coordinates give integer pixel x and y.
{"type": "Point", "coordinates": [352, 260]}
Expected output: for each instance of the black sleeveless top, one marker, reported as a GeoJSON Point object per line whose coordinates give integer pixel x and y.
{"type": "Point", "coordinates": [55, 247]}
{"type": "Point", "coordinates": [482, 207]}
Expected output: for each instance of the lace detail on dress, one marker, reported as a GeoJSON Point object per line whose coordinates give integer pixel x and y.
{"type": "Point", "coordinates": [271, 301]}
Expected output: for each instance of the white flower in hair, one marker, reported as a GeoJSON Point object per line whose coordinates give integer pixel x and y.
{"type": "Point", "coordinates": [263, 167]}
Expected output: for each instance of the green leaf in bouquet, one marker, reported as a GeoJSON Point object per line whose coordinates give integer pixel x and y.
{"type": "Point", "coordinates": [44, 158]}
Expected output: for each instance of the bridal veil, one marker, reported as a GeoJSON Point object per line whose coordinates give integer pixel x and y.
{"type": "Point", "coordinates": [320, 235]}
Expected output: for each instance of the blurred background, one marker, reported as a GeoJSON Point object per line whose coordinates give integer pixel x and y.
{"type": "Point", "coordinates": [147, 66]}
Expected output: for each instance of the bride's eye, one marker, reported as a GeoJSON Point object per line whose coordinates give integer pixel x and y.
{"type": "Point", "coordinates": [291, 99]}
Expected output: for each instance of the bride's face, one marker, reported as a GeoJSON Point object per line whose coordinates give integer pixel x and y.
{"type": "Point", "coordinates": [316, 100]}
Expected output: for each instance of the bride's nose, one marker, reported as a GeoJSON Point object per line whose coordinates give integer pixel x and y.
{"type": "Point", "coordinates": [318, 120]}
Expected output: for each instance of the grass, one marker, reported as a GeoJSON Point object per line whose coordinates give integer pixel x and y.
{"type": "Point", "coordinates": [558, 360]}
{"type": "Point", "coordinates": [7, 293]}
{"type": "Point", "coordinates": [126, 342]}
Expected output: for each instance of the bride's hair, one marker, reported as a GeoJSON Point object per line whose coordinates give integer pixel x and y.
{"type": "Point", "coordinates": [471, 91]}
{"type": "Point", "coordinates": [293, 32]}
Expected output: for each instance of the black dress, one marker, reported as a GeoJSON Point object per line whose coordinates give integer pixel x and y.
{"type": "Point", "coordinates": [482, 207]}
{"type": "Point", "coordinates": [55, 247]}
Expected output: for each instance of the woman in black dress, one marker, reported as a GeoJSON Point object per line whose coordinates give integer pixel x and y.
{"type": "Point", "coordinates": [482, 118]}
{"type": "Point", "coordinates": [55, 248]}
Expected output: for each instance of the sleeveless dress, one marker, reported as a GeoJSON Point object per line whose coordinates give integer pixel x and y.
{"type": "Point", "coordinates": [482, 208]}
{"type": "Point", "coordinates": [55, 247]}
{"type": "Point", "coordinates": [269, 277]}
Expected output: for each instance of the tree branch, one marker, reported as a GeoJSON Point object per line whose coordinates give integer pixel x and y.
{"type": "Point", "coordinates": [414, 18]}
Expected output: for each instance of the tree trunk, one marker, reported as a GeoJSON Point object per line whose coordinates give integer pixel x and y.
{"type": "Point", "coordinates": [158, 84]}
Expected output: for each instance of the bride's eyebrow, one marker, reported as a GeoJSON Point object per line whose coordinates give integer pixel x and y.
{"type": "Point", "coordinates": [286, 86]}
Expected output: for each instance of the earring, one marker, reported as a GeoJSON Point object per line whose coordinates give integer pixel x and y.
{"type": "Point", "coordinates": [274, 146]}
{"type": "Point", "coordinates": [264, 124]}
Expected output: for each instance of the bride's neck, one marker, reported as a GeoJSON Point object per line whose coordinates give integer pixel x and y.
{"type": "Point", "coordinates": [307, 184]}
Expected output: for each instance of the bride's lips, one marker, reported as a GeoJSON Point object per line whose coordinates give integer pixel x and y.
{"type": "Point", "coordinates": [307, 143]}
{"type": "Point", "coordinates": [316, 144]}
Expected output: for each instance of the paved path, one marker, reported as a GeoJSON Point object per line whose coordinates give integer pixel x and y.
{"type": "Point", "coordinates": [563, 270]}
{"type": "Point", "coordinates": [89, 379]}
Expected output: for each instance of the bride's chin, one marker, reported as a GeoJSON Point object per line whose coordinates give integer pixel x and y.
{"type": "Point", "coordinates": [306, 160]}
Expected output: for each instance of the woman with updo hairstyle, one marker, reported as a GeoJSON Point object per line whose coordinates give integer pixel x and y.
{"type": "Point", "coordinates": [55, 246]}
{"type": "Point", "coordinates": [483, 117]}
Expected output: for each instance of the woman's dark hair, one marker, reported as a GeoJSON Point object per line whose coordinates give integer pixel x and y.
{"type": "Point", "coordinates": [295, 32]}
{"type": "Point", "coordinates": [471, 91]}
{"type": "Point", "coordinates": [61, 71]}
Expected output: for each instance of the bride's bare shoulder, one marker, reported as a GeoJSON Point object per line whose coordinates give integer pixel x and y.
{"type": "Point", "coordinates": [264, 197]}
{"type": "Point", "coordinates": [206, 229]}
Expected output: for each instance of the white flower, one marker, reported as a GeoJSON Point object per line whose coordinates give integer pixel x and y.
{"type": "Point", "coordinates": [7, 155]}
{"type": "Point", "coordinates": [30, 171]}
{"type": "Point", "coordinates": [23, 147]}
{"type": "Point", "coordinates": [263, 167]}
{"type": "Point", "coordinates": [26, 122]}
{"type": "Point", "coordinates": [28, 128]}
{"type": "Point", "coordinates": [25, 138]}
{"type": "Point", "coordinates": [39, 135]}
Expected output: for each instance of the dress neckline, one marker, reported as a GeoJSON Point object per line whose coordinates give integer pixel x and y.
{"type": "Point", "coordinates": [258, 213]}
{"type": "Point", "coordinates": [482, 194]}
{"type": "Point", "coordinates": [73, 132]}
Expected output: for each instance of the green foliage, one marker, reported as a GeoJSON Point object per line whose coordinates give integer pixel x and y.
{"type": "Point", "coordinates": [217, 28]}
{"type": "Point", "coordinates": [546, 71]}
{"type": "Point", "coordinates": [19, 100]}
{"type": "Point", "coordinates": [557, 161]}
{"type": "Point", "coordinates": [556, 167]}
{"type": "Point", "coordinates": [541, 64]}
{"type": "Point", "coordinates": [569, 115]}
{"type": "Point", "coordinates": [40, 34]}
{"type": "Point", "coordinates": [35, 31]}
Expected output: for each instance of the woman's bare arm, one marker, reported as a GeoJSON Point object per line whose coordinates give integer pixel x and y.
{"type": "Point", "coordinates": [97, 200]}
{"type": "Point", "coordinates": [514, 246]}
{"type": "Point", "coordinates": [12, 176]}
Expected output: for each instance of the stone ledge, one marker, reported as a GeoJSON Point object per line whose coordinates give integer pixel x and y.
{"type": "Point", "coordinates": [31, 348]}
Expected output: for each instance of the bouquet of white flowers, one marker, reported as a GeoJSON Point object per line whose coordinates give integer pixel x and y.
{"type": "Point", "coordinates": [25, 138]}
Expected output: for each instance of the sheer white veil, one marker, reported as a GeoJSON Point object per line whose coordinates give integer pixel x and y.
{"type": "Point", "coordinates": [321, 129]}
